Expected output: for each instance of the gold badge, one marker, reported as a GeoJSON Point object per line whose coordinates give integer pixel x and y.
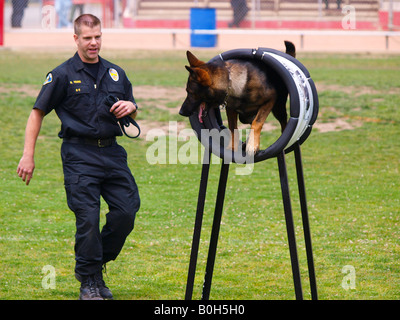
{"type": "Point", "coordinates": [113, 74]}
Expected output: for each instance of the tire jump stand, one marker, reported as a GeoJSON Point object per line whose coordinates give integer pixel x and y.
{"type": "Point", "coordinates": [303, 113]}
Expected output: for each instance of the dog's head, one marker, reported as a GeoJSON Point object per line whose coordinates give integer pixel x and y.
{"type": "Point", "coordinates": [200, 93]}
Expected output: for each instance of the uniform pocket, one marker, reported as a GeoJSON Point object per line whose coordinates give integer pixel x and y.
{"type": "Point", "coordinates": [77, 89]}
{"type": "Point", "coordinates": [72, 179]}
{"type": "Point", "coordinates": [71, 186]}
{"type": "Point", "coordinates": [116, 90]}
{"type": "Point", "coordinates": [78, 98]}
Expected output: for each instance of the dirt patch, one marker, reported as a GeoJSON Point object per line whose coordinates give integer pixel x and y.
{"type": "Point", "coordinates": [159, 93]}
{"type": "Point", "coordinates": [354, 90]}
{"type": "Point", "coordinates": [163, 97]}
{"type": "Point", "coordinates": [25, 89]}
{"type": "Point", "coordinates": [337, 125]}
{"type": "Point", "coordinates": [166, 95]}
{"type": "Point", "coordinates": [167, 128]}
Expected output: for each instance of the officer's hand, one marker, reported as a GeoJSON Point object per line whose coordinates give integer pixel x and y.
{"type": "Point", "coordinates": [25, 169]}
{"type": "Point", "coordinates": [122, 108]}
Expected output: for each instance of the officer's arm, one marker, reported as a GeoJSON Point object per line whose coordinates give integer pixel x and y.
{"type": "Point", "coordinates": [134, 113]}
{"type": "Point", "coordinates": [128, 89]}
{"type": "Point", "coordinates": [26, 165]}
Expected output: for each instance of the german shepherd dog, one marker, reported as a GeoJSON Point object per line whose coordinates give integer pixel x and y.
{"type": "Point", "coordinates": [249, 90]}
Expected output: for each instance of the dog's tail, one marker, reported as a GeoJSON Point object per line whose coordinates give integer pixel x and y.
{"type": "Point", "coordinates": [290, 48]}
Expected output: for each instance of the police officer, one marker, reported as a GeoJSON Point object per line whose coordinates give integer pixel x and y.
{"type": "Point", "coordinates": [94, 164]}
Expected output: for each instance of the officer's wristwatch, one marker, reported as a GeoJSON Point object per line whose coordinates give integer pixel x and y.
{"type": "Point", "coordinates": [136, 106]}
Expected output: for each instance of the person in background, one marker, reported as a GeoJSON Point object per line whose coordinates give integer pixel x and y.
{"type": "Point", "coordinates": [17, 15]}
{"type": "Point", "coordinates": [63, 8]}
{"type": "Point", "coordinates": [76, 5]}
{"type": "Point", "coordinates": [338, 2]}
{"type": "Point", "coordinates": [240, 10]}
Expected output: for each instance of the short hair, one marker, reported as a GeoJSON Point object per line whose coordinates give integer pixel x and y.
{"type": "Point", "coordinates": [86, 19]}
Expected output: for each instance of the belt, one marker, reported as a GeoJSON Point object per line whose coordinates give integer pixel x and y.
{"type": "Point", "coordinates": [101, 143]}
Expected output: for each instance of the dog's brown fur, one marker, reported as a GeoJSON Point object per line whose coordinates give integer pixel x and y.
{"type": "Point", "coordinates": [249, 89]}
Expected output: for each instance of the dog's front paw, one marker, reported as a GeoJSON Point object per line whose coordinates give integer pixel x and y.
{"type": "Point", "coordinates": [253, 143]}
{"type": "Point", "coordinates": [251, 149]}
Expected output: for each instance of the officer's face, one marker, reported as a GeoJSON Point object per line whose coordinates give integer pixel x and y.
{"type": "Point", "coordinates": [89, 43]}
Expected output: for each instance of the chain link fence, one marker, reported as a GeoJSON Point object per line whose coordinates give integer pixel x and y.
{"type": "Point", "coordinates": [240, 10]}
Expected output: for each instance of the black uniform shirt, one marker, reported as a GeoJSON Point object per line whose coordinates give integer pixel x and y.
{"type": "Point", "coordinates": [77, 98]}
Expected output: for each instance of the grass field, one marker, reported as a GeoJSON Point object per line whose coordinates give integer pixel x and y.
{"type": "Point", "coordinates": [352, 180]}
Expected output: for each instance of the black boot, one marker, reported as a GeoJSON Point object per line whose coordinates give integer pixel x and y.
{"type": "Point", "coordinates": [104, 291]}
{"type": "Point", "coordinates": [89, 289]}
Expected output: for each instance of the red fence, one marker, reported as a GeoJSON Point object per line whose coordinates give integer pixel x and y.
{"type": "Point", "coordinates": [1, 22]}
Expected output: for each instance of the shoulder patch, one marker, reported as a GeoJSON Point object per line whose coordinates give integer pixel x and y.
{"type": "Point", "coordinates": [49, 78]}
{"type": "Point", "coordinates": [113, 74]}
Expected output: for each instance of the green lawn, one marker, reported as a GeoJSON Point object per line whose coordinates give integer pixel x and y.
{"type": "Point", "coordinates": [352, 179]}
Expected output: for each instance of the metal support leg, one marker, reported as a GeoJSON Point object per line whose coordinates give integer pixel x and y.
{"type": "Point", "coordinates": [217, 223]}
{"type": "Point", "coordinates": [290, 225]}
{"type": "Point", "coordinates": [223, 178]}
{"type": "Point", "coordinates": [306, 225]}
{"type": "Point", "coordinates": [197, 226]}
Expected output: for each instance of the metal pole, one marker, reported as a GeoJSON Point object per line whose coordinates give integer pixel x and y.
{"type": "Point", "coordinates": [197, 225]}
{"type": "Point", "coordinates": [117, 15]}
{"type": "Point", "coordinates": [390, 25]}
{"type": "Point", "coordinates": [174, 39]}
{"type": "Point", "coordinates": [320, 8]}
{"type": "Point", "coordinates": [290, 225]}
{"type": "Point", "coordinates": [215, 231]}
{"type": "Point", "coordinates": [253, 18]}
{"type": "Point", "coordinates": [302, 41]}
{"type": "Point", "coordinates": [306, 224]}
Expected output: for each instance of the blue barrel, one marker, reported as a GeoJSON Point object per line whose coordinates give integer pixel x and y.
{"type": "Point", "coordinates": [203, 19]}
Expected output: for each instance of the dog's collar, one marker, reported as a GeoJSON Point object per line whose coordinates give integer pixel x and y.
{"type": "Point", "coordinates": [224, 104]}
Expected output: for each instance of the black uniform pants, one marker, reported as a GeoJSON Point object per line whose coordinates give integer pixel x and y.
{"type": "Point", "coordinates": [91, 172]}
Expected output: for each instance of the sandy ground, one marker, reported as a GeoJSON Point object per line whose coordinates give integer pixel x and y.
{"type": "Point", "coordinates": [128, 39]}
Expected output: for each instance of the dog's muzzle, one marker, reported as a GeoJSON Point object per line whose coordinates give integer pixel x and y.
{"type": "Point", "coordinates": [188, 108]}
{"type": "Point", "coordinates": [184, 112]}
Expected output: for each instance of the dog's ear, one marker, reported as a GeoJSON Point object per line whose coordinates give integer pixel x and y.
{"type": "Point", "coordinates": [192, 72]}
{"type": "Point", "coordinates": [203, 77]}
{"type": "Point", "coordinates": [200, 75]}
{"type": "Point", "coordinates": [189, 69]}
{"type": "Point", "coordinates": [194, 62]}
